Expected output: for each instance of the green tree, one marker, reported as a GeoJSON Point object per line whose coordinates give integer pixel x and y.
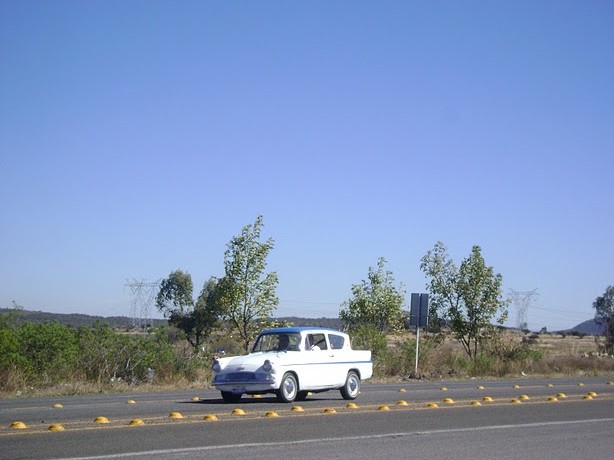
{"type": "Point", "coordinates": [469, 297]}
{"type": "Point", "coordinates": [376, 302]}
{"type": "Point", "coordinates": [246, 291]}
{"type": "Point", "coordinates": [604, 315]}
{"type": "Point", "coordinates": [195, 319]}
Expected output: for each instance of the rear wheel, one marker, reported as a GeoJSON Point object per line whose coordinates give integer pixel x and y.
{"type": "Point", "coordinates": [230, 397]}
{"type": "Point", "coordinates": [352, 386]}
{"type": "Point", "coordinates": [288, 390]}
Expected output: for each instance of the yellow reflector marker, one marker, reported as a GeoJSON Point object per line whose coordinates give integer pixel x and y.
{"type": "Point", "coordinates": [524, 397]}
{"type": "Point", "coordinates": [516, 386]}
{"type": "Point", "coordinates": [550, 385]}
{"type": "Point", "coordinates": [448, 401]}
{"type": "Point", "coordinates": [256, 396]}
{"type": "Point", "coordinates": [552, 399]}
{"type": "Point", "coordinates": [487, 399]}
{"type": "Point", "coordinates": [561, 395]}
{"type": "Point", "coordinates": [351, 406]}
{"type": "Point", "coordinates": [195, 398]}
{"type": "Point", "coordinates": [580, 384]}
{"type": "Point", "coordinates": [17, 425]}
{"type": "Point", "coordinates": [402, 403]}
{"type": "Point", "coordinates": [383, 408]}
{"type": "Point", "coordinates": [297, 409]}
{"type": "Point", "coordinates": [57, 406]}
{"type": "Point", "coordinates": [101, 420]}
{"type": "Point", "coordinates": [432, 405]}
{"type": "Point", "coordinates": [238, 411]}
{"type": "Point", "coordinates": [55, 427]}
{"type": "Point", "coordinates": [444, 389]}
{"type": "Point", "coordinates": [136, 422]}
{"type": "Point", "coordinates": [476, 403]}
{"type": "Point", "coordinates": [271, 413]}
{"type": "Point", "coordinates": [210, 418]}
{"type": "Point", "coordinates": [592, 394]}
{"type": "Point", "coordinates": [175, 415]}
{"type": "Point", "coordinates": [131, 401]}
{"type": "Point", "coordinates": [402, 390]}
{"type": "Point", "coordinates": [515, 401]}
{"type": "Point", "coordinates": [330, 410]}
{"type": "Point", "coordinates": [480, 387]}
{"type": "Point", "coordinates": [587, 397]}
{"type": "Point", "coordinates": [610, 383]}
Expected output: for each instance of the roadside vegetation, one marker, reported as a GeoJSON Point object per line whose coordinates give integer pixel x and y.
{"type": "Point", "coordinates": [463, 337]}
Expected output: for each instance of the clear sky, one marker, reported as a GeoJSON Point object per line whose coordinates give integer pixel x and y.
{"type": "Point", "coordinates": [139, 137]}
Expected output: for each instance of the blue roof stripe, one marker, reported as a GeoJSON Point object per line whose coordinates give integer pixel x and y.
{"type": "Point", "coordinates": [298, 330]}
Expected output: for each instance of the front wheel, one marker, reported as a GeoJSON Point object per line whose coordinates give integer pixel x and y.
{"type": "Point", "coordinates": [288, 389]}
{"type": "Point", "coordinates": [352, 386]}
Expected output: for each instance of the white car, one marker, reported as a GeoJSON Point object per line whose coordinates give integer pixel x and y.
{"type": "Point", "coordinates": [293, 361]}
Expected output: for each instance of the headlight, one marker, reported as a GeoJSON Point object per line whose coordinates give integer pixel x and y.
{"type": "Point", "coordinates": [267, 366]}
{"type": "Point", "coordinates": [215, 367]}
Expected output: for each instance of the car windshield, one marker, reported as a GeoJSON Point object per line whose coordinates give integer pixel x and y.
{"type": "Point", "coordinates": [277, 341]}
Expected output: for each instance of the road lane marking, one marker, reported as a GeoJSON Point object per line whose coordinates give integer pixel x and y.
{"type": "Point", "coordinates": [192, 450]}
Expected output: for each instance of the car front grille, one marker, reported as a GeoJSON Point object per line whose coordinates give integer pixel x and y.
{"type": "Point", "coordinates": [236, 377]}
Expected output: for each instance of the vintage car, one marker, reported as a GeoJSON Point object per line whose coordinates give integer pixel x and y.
{"type": "Point", "coordinates": [291, 362]}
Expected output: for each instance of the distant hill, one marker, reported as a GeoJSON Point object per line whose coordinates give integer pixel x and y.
{"type": "Point", "coordinates": [73, 319]}
{"type": "Point", "coordinates": [589, 327]}
{"type": "Point", "coordinates": [124, 322]}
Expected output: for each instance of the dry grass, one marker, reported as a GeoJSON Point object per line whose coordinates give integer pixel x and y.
{"type": "Point", "coordinates": [80, 387]}
{"type": "Point", "coordinates": [512, 353]}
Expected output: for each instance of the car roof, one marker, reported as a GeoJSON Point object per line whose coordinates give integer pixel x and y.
{"type": "Point", "coordinates": [298, 330]}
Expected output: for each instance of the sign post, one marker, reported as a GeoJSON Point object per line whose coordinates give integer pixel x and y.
{"type": "Point", "coordinates": [419, 317]}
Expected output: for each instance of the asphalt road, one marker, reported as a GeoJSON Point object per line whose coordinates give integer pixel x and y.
{"type": "Point", "coordinates": [522, 421]}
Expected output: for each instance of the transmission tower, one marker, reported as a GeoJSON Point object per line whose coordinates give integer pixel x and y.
{"type": "Point", "coordinates": [522, 300]}
{"type": "Point", "coordinates": [143, 294]}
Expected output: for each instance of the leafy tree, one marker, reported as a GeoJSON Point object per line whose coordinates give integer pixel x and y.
{"type": "Point", "coordinates": [469, 296]}
{"type": "Point", "coordinates": [246, 291]}
{"type": "Point", "coordinates": [376, 302]}
{"type": "Point", "coordinates": [195, 320]}
{"type": "Point", "coordinates": [604, 314]}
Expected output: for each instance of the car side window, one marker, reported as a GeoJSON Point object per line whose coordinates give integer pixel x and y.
{"type": "Point", "coordinates": [316, 342]}
{"type": "Point", "coordinates": [336, 341]}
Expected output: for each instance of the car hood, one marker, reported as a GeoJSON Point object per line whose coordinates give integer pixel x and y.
{"type": "Point", "coordinates": [252, 361]}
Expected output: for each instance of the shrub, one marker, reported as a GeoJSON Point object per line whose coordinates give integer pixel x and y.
{"type": "Point", "coordinates": [49, 351]}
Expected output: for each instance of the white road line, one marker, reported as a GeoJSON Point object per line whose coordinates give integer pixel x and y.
{"type": "Point", "coordinates": [188, 450]}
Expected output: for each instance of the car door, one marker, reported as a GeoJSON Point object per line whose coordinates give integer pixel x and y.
{"type": "Point", "coordinates": [317, 362]}
{"type": "Point", "coordinates": [339, 359]}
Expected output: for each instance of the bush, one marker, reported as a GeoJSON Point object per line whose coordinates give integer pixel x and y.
{"type": "Point", "coordinates": [46, 354]}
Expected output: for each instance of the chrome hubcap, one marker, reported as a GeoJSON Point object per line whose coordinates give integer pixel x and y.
{"type": "Point", "coordinates": [289, 387]}
{"type": "Point", "coordinates": [353, 385]}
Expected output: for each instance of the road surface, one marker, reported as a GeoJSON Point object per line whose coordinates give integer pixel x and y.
{"type": "Point", "coordinates": [507, 419]}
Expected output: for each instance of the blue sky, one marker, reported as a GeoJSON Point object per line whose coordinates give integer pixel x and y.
{"type": "Point", "coordinates": [138, 137]}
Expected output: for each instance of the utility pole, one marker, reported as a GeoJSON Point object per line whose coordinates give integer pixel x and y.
{"type": "Point", "coordinates": [522, 301]}
{"type": "Point", "coordinates": [143, 294]}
